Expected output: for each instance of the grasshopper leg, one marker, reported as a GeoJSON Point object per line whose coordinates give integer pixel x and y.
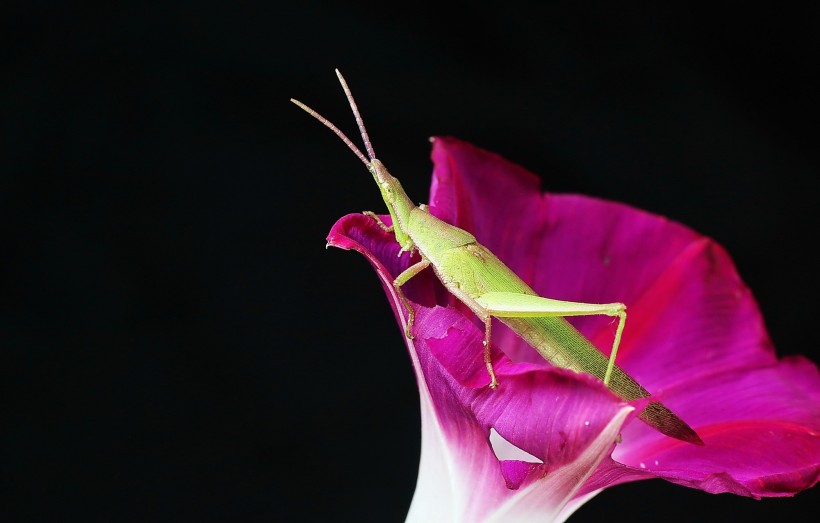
{"type": "Point", "coordinates": [400, 280]}
{"type": "Point", "coordinates": [517, 305]}
{"type": "Point", "coordinates": [614, 352]}
{"type": "Point", "coordinates": [488, 360]}
{"type": "Point", "coordinates": [384, 227]}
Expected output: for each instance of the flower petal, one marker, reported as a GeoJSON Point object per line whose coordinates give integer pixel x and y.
{"type": "Point", "coordinates": [762, 434]}
{"type": "Point", "coordinates": [695, 336]}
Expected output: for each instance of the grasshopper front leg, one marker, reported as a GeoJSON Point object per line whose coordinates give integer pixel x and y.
{"type": "Point", "coordinates": [379, 222]}
{"type": "Point", "coordinates": [516, 305]}
{"type": "Point", "coordinates": [408, 244]}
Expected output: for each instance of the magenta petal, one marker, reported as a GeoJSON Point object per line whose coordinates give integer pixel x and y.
{"type": "Point", "coordinates": [762, 434]}
{"type": "Point", "coordinates": [694, 337]}
{"type": "Point", "coordinates": [515, 472]}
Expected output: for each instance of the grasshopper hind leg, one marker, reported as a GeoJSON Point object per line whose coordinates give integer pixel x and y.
{"type": "Point", "coordinates": [518, 305]}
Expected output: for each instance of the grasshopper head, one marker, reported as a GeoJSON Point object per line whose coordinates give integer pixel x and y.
{"type": "Point", "coordinates": [398, 203]}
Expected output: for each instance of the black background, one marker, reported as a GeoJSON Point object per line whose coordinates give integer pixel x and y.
{"type": "Point", "coordinates": [176, 342]}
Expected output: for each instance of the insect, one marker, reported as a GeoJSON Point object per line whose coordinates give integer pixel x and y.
{"type": "Point", "coordinates": [490, 289]}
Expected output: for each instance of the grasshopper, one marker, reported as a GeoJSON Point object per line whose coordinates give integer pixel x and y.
{"type": "Point", "coordinates": [490, 289]}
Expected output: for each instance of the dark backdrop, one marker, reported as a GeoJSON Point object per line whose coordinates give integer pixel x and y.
{"type": "Point", "coordinates": [176, 342]}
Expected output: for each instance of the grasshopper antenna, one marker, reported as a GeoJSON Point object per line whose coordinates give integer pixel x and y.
{"type": "Point", "coordinates": [367, 145]}
{"type": "Point", "coordinates": [335, 129]}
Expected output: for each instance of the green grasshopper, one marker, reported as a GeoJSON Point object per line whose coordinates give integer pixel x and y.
{"type": "Point", "coordinates": [490, 289]}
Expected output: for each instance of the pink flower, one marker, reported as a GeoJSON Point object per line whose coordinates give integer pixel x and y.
{"type": "Point", "coordinates": [543, 442]}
